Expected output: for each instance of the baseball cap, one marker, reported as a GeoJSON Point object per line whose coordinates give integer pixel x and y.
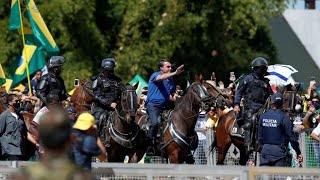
{"type": "Point", "coordinates": [277, 98]}
{"type": "Point", "coordinates": [84, 121]}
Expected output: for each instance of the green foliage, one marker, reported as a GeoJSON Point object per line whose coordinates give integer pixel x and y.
{"type": "Point", "coordinates": [206, 36]}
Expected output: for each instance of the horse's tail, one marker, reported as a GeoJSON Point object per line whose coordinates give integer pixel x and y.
{"type": "Point", "coordinates": [213, 145]}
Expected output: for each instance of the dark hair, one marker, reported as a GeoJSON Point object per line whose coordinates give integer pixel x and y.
{"type": "Point", "coordinates": [39, 70]}
{"type": "Point", "coordinates": [52, 97]}
{"type": "Point", "coordinates": [10, 97]}
{"type": "Point", "coordinates": [54, 129]}
{"type": "Point", "coordinates": [161, 63]}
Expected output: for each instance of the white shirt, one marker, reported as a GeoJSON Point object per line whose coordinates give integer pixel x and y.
{"type": "Point", "coordinates": [317, 130]}
{"type": "Point", "coordinates": [14, 115]}
{"type": "Point", "coordinates": [37, 117]}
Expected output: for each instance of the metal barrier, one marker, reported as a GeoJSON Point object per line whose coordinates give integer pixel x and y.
{"type": "Point", "coordinates": [310, 150]}
{"type": "Point", "coordinates": [122, 171]}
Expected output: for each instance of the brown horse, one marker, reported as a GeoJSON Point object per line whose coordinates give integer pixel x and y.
{"type": "Point", "coordinates": [224, 137]}
{"type": "Point", "coordinates": [82, 97]}
{"type": "Point", "coordinates": [123, 136]}
{"type": "Point", "coordinates": [179, 137]}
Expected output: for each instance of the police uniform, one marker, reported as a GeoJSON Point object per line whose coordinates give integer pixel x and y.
{"type": "Point", "coordinates": [255, 89]}
{"type": "Point", "coordinates": [275, 132]}
{"type": "Point", "coordinates": [52, 81]}
{"type": "Point", "coordinates": [106, 89]}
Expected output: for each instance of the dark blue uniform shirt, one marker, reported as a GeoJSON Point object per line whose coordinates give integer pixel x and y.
{"type": "Point", "coordinates": [246, 84]}
{"type": "Point", "coordinates": [275, 132]}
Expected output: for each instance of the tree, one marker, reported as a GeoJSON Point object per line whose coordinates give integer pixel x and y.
{"type": "Point", "coordinates": [206, 36]}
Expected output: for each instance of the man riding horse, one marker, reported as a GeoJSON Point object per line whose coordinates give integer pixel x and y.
{"type": "Point", "coordinates": [107, 91]}
{"type": "Point", "coordinates": [161, 89]}
{"type": "Point", "coordinates": [52, 80]}
{"type": "Point", "coordinates": [255, 89]}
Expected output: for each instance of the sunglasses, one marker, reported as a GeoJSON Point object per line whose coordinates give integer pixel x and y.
{"type": "Point", "coordinates": [168, 66]}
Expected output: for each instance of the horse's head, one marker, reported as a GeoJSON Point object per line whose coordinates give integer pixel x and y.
{"type": "Point", "coordinates": [129, 103]}
{"type": "Point", "coordinates": [218, 101]}
{"type": "Point", "coordinates": [201, 94]}
{"type": "Point", "coordinates": [290, 100]}
{"type": "Point", "coordinates": [82, 96]}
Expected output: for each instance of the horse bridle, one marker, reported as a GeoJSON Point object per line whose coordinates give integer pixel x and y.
{"type": "Point", "coordinates": [215, 103]}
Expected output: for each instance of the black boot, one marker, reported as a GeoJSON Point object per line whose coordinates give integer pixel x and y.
{"type": "Point", "coordinates": [247, 142]}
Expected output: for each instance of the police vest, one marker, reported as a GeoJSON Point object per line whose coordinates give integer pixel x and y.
{"type": "Point", "coordinates": [54, 83]}
{"type": "Point", "coordinates": [110, 88]}
{"type": "Point", "coordinates": [273, 131]}
{"type": "Point", "coordinates": [257, 91]}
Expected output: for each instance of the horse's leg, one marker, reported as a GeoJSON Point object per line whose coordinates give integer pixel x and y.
{"type": "Point", "coordinates": [173, 153]}
{"type": "Point", "coordinates": [223, 143]}
{"type": "Point", "coordinates": [239, 143]}
{"type": "Point", "coordinates": [189, 157]}
{"type": "Point", "coordinates": [115, 152]}
{"type": "Point", "coordinates": [133, 158]}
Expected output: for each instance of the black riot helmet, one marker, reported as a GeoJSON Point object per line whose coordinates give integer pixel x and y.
{"type": "Point", "coordinates": [108, 64]}
{"type": "Point", "coordinates": [259, 61]}
{"type": "Point", "coordinates": [56, 61]}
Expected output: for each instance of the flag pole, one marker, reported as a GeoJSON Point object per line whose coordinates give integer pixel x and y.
{"type": "Point", "coordinates": [24, 45]}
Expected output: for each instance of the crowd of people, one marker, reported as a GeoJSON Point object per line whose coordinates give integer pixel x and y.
{"type": "Point", "coordinates": [245, 95]}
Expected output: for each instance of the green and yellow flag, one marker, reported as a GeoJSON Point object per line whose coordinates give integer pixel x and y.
{"type": "Point", "coordinates": [141, 81]}
{"type": "Point", "coordinates": [34, 28]}
{"type": "Point", "coordinates": [38, 40]}
{"type": "Point", "coordinates": [2, 76]}
{"type": "Point", "coordinates": [32, 57]}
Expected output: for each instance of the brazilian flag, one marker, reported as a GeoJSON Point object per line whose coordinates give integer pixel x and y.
{"type": "Point", "coordinates": [2, 76]}
{"type": "Point", "coordinates": [38, 40]}
{"type": "Point", "coordinates": [32, 57]}
{"type": "Point", "coordinates": [35, 29]}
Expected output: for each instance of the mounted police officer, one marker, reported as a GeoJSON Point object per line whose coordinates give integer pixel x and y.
{"type": "Point", "coordinates": [107, 91]}
{"type": "Point", "coordinates": [255, 89]}
{"type": "Point", "coordinates": [52, 80]}
{"type": "Point", "coordinates": [275, 132]}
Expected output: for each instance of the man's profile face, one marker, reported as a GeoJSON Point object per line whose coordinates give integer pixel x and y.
{"type": "Point", "coordinates": [38, 75]}
{"type": "Point", "coordinates": [166, 68]}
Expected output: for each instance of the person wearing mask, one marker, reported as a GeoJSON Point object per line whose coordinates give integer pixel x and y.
{"type": "Point", "coordinates": [52, 80]}
{"type": "Point", "coordinates": [315, 134]}
{"type": "Point", "coordinates": [255, 89]}
{"type": "Point", "coordinates": [275, 132]}
{"type": "Point", "coordinates": [107, 91]}
{"type": "Point", "coordinates": [161, 89]}
{"type": "Point", "coordinates": [13, 130]}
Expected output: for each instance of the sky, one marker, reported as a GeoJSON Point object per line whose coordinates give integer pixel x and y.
{"type": "Point", "coordinates": [300, 4]}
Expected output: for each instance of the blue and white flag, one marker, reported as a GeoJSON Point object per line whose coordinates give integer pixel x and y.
{"type": "Point", "coordinates": [280, 74]}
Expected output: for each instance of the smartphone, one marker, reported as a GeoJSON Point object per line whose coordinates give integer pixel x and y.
{"type": "Point", "coordinates": [213, 76]}
{"type": "Point", "coordinates": [76, 82]}
{"type": "Point", "coordinates": [232, 77]}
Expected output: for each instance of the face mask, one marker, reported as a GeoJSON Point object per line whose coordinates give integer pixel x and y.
{"type": "Point", "coordinates": [59, 70]}
{"type": "Point", "coordinates": [16, 105]}
{"type": "Point", "coordinates": [298, 107]}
